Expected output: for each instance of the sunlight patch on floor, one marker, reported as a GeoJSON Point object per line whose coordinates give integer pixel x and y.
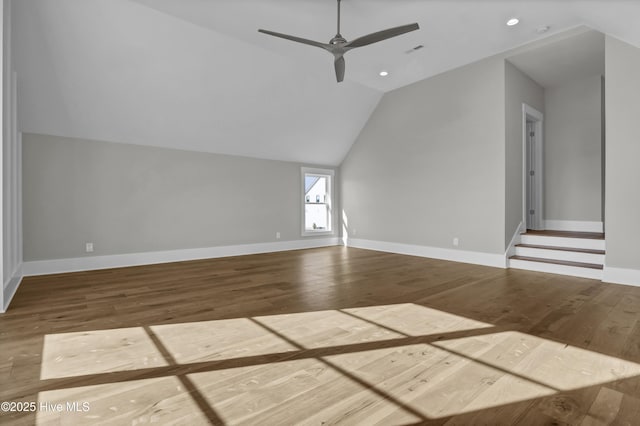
{"type": "Point", "coordinates": [410, 381]}
{"type": "Point", "coordinates": [218, 340]}
{"type": "Point", "coordinates": [269, 394]}
{"type": "Point", "coordinates": [436, 382]}
{"type": "Point", "coordinates": [95, 352]}
{"type": "Point", "coordinates": [557, 365]}
{"type": "Point", "coordinates": [415, 320]}
{"type": "Point", "coordinates": [326, 328]}
{"type": "Point", "coordinates": [157, 401]}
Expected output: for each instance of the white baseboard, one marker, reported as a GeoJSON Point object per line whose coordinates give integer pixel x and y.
{"type": "Point", "coordinates": [10, 289]}
{"type": "Point", "coordinates": [573, 226]}
{"type": "Point", "coordinates": [621, 276]}
{"type": "Point", "coordinates": [474, 257]}
{"type": "Point", "coordinates": [57, 266]}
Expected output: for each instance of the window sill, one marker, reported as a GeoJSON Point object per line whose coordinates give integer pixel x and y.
{"type": "Point", "coordinates": [319, 232]}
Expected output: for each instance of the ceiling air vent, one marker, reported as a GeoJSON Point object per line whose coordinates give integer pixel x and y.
{"type": "Point", "coordinates": [418, 47]}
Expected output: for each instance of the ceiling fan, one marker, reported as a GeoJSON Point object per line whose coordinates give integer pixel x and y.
{"type": "Point", "coordinates": [338, 45]}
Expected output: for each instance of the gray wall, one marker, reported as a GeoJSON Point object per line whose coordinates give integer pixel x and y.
{"type": "Point", "coordinates": [129, 199]}
{"type": "Point", "coordinates": [519, 89]}
{"type": "Point", "coordinates": [430, 163]}
{"type": "Point", "coordinates": [622, 210]}
{"type": "Point", "coordinates": [573, 151]}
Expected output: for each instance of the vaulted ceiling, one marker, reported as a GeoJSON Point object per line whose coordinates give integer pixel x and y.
{"type": "Point", "coordinates": [196, 74]}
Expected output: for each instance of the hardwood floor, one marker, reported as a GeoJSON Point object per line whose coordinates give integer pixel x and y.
{"type": "Point", "coordinates": [321, 336]}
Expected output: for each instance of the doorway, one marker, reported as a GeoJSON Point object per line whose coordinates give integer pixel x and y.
{"type": "Point", "coordinates": [532, 168]}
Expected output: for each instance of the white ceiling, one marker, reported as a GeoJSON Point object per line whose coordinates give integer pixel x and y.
{"type": "Point", "coordinates": [196, 74]}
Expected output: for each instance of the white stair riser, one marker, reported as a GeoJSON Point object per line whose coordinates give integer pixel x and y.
{"type": "Point", "coordinates": [551, 268]}
{"type": "Point", "coordinates": [571, 256]}
{"type": "Point", "coordinates": [544, 240]}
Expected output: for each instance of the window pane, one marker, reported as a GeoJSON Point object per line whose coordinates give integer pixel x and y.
{"type": "Point", "coordinates": [309, 182]}
{"type": "Point", "coordinates": [316, 193]}
{"type": "Point", "coordinates": [316, 217]}
{"type": "Point", "coordinates": [315, 189]}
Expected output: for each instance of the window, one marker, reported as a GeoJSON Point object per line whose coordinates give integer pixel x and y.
{"type": "Point", "coordinates": [317, 185]}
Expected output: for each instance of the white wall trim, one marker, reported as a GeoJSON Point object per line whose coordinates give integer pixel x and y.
{"type": "Point", "coordinates": [511, 248]}
{"type": "Point", "coordinates": [573, 225]}
{"type": "Point", "coordinates": [44, 267]}
{"type": "Point", "coordinates": [10, 164]}
{"type": "Point", "coordinates": [474, 257]}
{"type": "Point", "coordinates": [3, 124]}
{"type": "Point", "coordinates": [9, 289]}
{"type": "Point", "coordinates": [538, 118]}
{"type": "Point", "coordinates": [621, 276]}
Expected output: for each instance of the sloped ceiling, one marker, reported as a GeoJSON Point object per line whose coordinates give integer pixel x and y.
{"type": "Point", "coordinates": [196, 75]}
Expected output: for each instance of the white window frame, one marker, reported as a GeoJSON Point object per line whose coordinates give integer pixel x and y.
{"type": "Point", "coordinates": [330, 173]}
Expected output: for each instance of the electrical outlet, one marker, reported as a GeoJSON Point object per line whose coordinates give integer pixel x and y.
{"type": "Point", "coordinates": [456, 241]}
{"type": "Point", "coordinates": [277, 235]}
{"type": "Point", "coordinates": [88, 247]}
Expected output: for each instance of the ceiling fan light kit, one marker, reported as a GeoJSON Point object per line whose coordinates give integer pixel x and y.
{"type": "Point", "coordinates": [338, 45]}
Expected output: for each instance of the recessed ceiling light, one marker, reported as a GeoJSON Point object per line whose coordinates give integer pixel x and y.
{"type": "Point", "coordinates": [513, 21]}
{"type": "Point", "coordinates": [384, 73]}
{"type": "Point", "coordinates": [543, 29]}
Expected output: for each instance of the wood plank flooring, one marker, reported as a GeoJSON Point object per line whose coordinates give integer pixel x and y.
{"type": "Point", "coordinates": [322, 336]}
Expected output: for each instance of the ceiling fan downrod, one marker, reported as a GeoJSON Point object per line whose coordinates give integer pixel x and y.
{"type": "Point", "coordinates": [338, 39]}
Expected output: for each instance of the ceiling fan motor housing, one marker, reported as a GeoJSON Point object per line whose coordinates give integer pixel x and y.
{"type": "Point", "coordinates": [338, 39]}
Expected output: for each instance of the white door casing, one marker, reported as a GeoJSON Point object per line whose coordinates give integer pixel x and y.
{"type": "Point", "coordinates": [532, 168]}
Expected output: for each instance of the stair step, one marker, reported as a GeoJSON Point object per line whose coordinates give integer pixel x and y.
{"type": "Point", "coordinates": [558, 262]}
{"type": "Point", "coordinates": [575, 249]}
{"type": "Point", "coordinates": [556, 267]}
{"type": "Point", "coordinates": [567, 234]}
{"type": "Point", "coordinates": [560, 253]}
{"type": "Point", "coordinates": [561, 241]}
{"type": "Point", "coordinates": [579, 254]}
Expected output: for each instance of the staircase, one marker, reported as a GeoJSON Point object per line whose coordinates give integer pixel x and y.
{"type": "Point", "coordinates": [580, 254]}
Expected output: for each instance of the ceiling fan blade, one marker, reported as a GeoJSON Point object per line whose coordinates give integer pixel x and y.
{"type": "Point", "coordinates": [382, 35]}
{"type": "Point", "coordinates": [297, 39]}
{"type": "Point", "coordinates": [340, 67]}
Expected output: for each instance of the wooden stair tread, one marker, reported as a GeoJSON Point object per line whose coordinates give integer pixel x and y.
{"type": "Point", "coordinates": [579, 250]}
{"type": "Point", "coordinates": [558, 262]}
{"type": "Point", "coordinates": [566, 234]}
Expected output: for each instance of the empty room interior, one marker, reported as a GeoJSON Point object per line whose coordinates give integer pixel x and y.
{"type": "Point", "coordinates": [280, 212]}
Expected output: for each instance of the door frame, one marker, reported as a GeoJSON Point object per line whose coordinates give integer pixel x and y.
{"type": "Point", "coordinates": [532, 114]}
